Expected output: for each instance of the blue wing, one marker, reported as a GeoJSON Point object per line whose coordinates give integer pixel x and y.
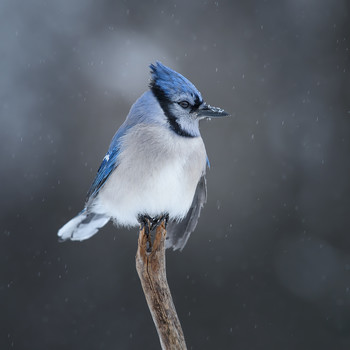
{"type": "Point", "coordinates": [109, 163]}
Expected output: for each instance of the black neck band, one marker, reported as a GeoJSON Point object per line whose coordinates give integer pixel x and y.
{"type": "Point", "coordinates": [164, 103]}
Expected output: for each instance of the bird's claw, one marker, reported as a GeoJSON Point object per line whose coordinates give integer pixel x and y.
{"type": "Point", "coordinates": [156, 221]}
{"type": "Point", "coordinates": [150, 224]}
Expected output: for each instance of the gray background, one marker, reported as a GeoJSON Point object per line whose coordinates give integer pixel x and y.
{"type": "Point", "coordinates": [268, 266]}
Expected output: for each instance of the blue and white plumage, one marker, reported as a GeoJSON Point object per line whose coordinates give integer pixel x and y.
{"type": "Point", "coordinates": [155, 164]}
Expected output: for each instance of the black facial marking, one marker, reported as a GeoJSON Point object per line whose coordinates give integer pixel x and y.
{"type": "Point", "coordinates": [197, 103]}
{"type": "Point", "coordinates": [165, 103]}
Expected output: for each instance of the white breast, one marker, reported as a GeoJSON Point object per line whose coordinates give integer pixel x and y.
{"type": "Point", "coordinates": [158, 173]}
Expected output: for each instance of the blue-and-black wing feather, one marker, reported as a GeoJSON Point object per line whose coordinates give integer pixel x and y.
{"type": "Point", "coordinates": [108, 165]}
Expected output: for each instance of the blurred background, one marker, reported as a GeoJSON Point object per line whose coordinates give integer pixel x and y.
{"type": "Point", "coordinates": [268, 266]}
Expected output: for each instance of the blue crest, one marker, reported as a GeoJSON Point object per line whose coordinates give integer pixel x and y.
{"type": "Point", "coordinates": [171, 83]}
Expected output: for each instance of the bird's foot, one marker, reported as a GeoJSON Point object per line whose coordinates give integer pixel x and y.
{"type": "Point", "coordinates": [150, 224]}
{"type": "Point", "coordinates": [156, 221]}
{"type": "Point", "coordinates": [146, 225]}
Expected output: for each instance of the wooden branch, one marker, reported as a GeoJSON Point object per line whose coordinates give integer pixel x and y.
{"type": "Point", "coordinates": [151, 269]}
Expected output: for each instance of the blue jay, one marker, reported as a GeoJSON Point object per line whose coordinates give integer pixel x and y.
{"type": "Point", "coordinates": [155, 165]}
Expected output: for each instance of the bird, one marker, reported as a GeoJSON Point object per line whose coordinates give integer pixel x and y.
{"type": "Point", "coordinates": [155, 166]}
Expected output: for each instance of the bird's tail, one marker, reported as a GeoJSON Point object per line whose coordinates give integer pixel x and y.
{"type": "Point", "coordinates": [83, 226]}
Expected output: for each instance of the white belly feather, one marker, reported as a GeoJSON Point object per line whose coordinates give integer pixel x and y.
{"type": "Point", "coordinates": [158, 173]}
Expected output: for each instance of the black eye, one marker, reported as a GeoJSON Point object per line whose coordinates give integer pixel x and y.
{"type": "Point", "coordinates": [184, 104]}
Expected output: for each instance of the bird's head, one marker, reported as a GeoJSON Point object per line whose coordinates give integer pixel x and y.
{"type": "Point", "coordinates": [180, 100]}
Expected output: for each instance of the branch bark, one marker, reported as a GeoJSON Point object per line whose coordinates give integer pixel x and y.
{"type": "Point", "coordinates": [151, 269]}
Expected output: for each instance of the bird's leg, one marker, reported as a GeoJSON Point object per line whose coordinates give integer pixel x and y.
{"type": "Point", "coordinates": [156, 221]}
{"type": "Point", "coordinates": [166, 219]}
{"type": "Point", "coordinates": [146, 223]}
{"type": "Point", "coordinates": [150, 225]}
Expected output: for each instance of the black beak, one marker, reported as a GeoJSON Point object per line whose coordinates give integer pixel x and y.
{"type": "Point", "coordinates": [207, 111]}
